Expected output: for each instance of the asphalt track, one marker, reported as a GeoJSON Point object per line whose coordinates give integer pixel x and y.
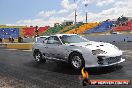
{"type": "Point", "coordinates": [18, 70]}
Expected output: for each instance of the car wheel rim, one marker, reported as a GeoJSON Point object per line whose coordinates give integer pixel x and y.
{"type": "Point", "coordinates": [76, 62]}
{"type": "Point", "coordinates": [37, 57]}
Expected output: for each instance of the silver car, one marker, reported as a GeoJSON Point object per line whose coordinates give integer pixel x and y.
{"type": "Point", "coordinates": [77, 51]}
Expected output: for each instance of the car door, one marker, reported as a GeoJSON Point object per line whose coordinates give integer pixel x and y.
{"type": "Point", "coordinates": [55, 47]}
{"type": "Point", "coordinates": [42, 45]}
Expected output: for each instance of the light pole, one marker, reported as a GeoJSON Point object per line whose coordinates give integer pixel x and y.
{"type": "Point", "coordinates": [75, 16]}
{"type": "Point", "coordinates": [75, 13]}
{"type": "Point", "coordinates": [86, 5]}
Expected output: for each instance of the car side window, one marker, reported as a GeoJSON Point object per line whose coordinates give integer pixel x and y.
{"type": "Point", "coordinates": [53, 40]}
{"type": "Point", "coordinates": [40, 40]}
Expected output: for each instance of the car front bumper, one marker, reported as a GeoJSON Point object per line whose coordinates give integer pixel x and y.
{"type": "Point", "coordinates": [104, 65]}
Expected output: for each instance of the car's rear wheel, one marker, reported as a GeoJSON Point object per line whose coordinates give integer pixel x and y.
{"type": "Point", "coordinates": [38, 57]}
{"type": "Point", "coordinates": [77, 61]}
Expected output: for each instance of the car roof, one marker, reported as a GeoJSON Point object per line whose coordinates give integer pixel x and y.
{"type": "Point", "coordinates": [63, 34]}
{"type": "Point", "coordinates": [42, 36]}
{"type": "Point", "coordinates": [54, 35]}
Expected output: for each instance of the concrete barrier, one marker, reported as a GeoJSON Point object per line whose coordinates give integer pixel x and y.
{"type": "Point", "coordinates": [111, 38]}
{"type": "Point", "coordinates": [19, 46]}
{"type": "Point", "coordinates": [28, 40]}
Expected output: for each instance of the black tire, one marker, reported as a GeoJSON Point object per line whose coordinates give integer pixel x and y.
{"type": "Point", "coordinates": [77, 57]}
{"type": "Point", "coordinates": [38, 57]}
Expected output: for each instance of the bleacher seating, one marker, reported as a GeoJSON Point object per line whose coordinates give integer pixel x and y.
{"type": "Point", "coordinates": [71, 29]}
{"type": "Point", "coordinates": [129, 23]}
{"type": "Point", "coordinates": [54, 30]}
{"type": "Point", "coordinates": [9, 32]}
{"type": "Point", "coordinates": [103, 27]}
{"type": "Point", "coordinates": [43, 29]}
{"type": "Point", "coordinates": [122, 28]}
{"type": "Point", "coordinates": [126, 27]}
{"type": "Point", "coordinates": [121, 24]}
{"type": "Point", "coordinates": [66, 28]}
{"type": "Point", "coordinates": [83, 28]}
{"type": "Point", "coordinates": [28, 31]}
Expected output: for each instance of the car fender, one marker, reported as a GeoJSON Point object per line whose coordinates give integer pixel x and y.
{"type": "Point", "coordinates": [88, 57]}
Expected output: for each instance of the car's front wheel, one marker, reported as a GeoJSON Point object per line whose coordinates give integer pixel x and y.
{"type": "Point", "coordinates": [77, 61]}
{"type": "Point", "coordinates": [38, 57]}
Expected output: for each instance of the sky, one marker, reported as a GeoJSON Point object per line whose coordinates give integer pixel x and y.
{"type": "Point", "coordinates": [48, 12]}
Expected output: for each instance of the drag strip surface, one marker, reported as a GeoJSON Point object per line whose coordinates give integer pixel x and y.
{"type": "Point", "coordinates": [17, 69]}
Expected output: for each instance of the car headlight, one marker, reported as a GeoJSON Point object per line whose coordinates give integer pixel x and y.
{"type": "Point", "coordinates": [98, 51]}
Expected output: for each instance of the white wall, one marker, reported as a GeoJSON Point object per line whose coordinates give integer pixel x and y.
{"type": "Point", "coordinates": [110, 38]}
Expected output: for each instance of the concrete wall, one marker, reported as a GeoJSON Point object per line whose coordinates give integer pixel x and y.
{"type": "Point", "coordinates": [28, 40]}
{"type": "Point", "coordinates": [111, 38]}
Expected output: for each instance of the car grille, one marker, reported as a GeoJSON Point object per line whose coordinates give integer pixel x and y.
{"type": "Point", "coordinates": [109, 60]}
{"type": "Point", "coordinates": [113, 59]}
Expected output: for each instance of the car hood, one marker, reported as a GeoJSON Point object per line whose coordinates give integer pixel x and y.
{"type": "Point", "coordinates": [96, 45]}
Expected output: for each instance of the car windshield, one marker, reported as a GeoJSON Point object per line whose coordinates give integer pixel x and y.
{"type": "Point", "coordinates": [72, 39]}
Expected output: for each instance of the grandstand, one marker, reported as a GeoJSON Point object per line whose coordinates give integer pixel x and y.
{"type": "Point", "coordinates": [9, 32]}
{"type": "Point", "coordinates": [43, 29]}
{"type": "Point", "coordinates": [122, 24]}
{"type": "Point", "coordinates": [82, 28]}
{"type": "Point", "coordinates": [68, 31]}
{"type": "Point", "coordinates": [103, 27]}
{"type": "Point", "coordinates": [54, 30]}
{"type": "Point", "coordinates": [16, 32]}
{"type": "Point", "coordinates": [20, 28]}
{"type": "Point", "coordinates": [30, 31]}
{"type": "Point", "coordinates": [65, 29]}
{"type": "Point", "coordinates": [123, 27]}
{"type": "Point", "coordinates": [130, 23]}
